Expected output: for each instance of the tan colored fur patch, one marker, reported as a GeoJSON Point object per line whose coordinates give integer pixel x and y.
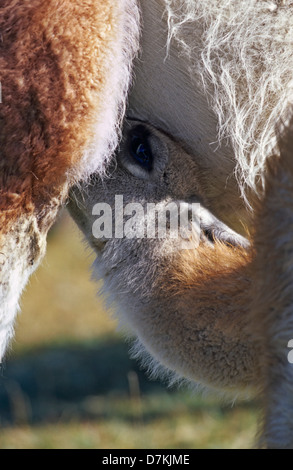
{"type": "Point", "coordinates": [53, 58]}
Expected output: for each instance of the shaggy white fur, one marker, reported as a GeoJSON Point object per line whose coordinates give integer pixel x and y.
{"type": "Point", "coordinates": [246, 69]}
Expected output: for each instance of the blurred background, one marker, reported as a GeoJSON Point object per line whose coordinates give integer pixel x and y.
{"type": "Point", "coordinates": [68, 382]}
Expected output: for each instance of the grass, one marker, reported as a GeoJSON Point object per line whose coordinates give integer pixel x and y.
{"type": "Point", "coordinates": [184, 431]}
{"type": "Point", "coordinates": [69, 382]}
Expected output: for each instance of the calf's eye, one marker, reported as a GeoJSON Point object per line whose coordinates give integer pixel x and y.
{"type": "Point", "coordinates": [139, 148]}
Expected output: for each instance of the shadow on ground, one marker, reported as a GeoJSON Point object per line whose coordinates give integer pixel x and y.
{"type": "Point", "coordinates": [96, 380]}
{"type": "Point", "coordinates": [70, 381]}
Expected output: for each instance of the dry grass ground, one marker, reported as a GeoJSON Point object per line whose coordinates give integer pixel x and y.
{"type": "Point", "coordinates": [68, 381]}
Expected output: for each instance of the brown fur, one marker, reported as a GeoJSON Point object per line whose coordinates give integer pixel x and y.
{"type": "Point", "coordinates": [59, 61]}
{"type": "Point", "coordinates": [219, 279]}
{"type": "Point", "coordinates": [212, 286]}
{"type": "Point", "coordinates": [52, 72]}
